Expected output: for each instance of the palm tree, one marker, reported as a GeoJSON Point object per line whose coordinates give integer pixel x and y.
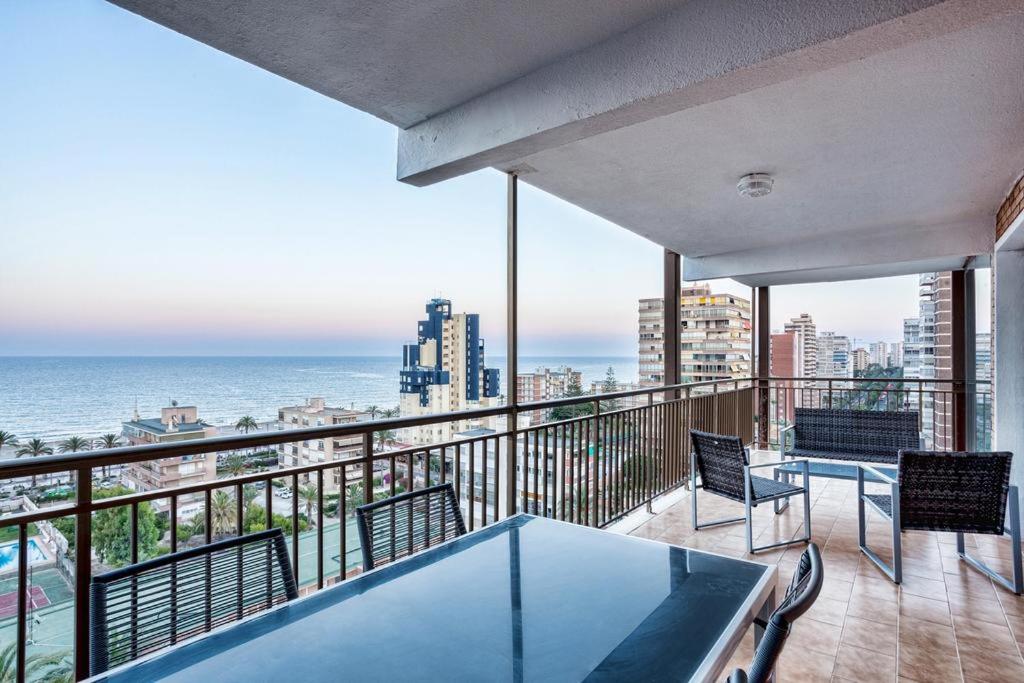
{"type": "Point", "coordinates": [33, 448]}
{"type": "Point", "coordinates": [307, 494]}
{"type": "Point", "coordinates": [73, 444]}
{"type": "Point", "coordinates": [385, 438]}
{"type": "Point", "coordinates": [222, 513]}
{"type": "Point", "coordinates": [53, 667]}
{"type": "Point", "coordinates": [234, 465]}
{"type": "Point", "coordinates": [108, 441]}
{"type": "Point", "coordinates": [7, 439]}
{"type": "Point", "coordinates": [390, 412]}
{"type": "Point", "coordinates": [374, 411]}
{"type": "Point", "coordinates": [247, 422]}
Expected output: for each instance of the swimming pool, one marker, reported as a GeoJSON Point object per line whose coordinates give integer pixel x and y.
{"type": "Point", "coordinates": [9, 554]}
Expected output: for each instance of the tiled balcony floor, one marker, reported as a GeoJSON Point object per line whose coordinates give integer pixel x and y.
{"type": "Point", "coordinates": [946, 622]}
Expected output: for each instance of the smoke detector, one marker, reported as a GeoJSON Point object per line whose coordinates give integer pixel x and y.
{"type": "Point", "coordinates": [755, 185]}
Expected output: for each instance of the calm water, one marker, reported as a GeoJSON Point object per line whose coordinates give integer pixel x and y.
{"type": "Point", "coordinates": [52, 398]}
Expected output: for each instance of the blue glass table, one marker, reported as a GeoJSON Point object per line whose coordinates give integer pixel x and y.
{"type": "Point", "coordinates": [526, 599]}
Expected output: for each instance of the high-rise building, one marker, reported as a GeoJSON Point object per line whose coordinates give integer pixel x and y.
{"type": "Point", "coordinates": [315, 413]}
{"type": "Point", "coordinates": [444, 372]}
{"type": "Point", "coordinates": [859, 360]}
{"type": "Point", "coordinates": [895, 358]}
{"type": "Point", "coordinates": [807, 337]}
{"type": "Point", "coordinates": [927, 355]}
{"type": "Point", "coordinates": [911, 350]}
{"type": "Point", "coordinates": [785, 360]}
{"type": "Point", "coordinates": [176, 423]}
{"type": "Point", "coordinates": [834, 355]}
{"type": "Point", "coordinates": [878, 353]}
{"type": "Point", "coordinates": [714, 336]}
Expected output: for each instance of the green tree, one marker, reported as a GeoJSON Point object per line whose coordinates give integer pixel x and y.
{"type": "Point", "coordinates": [53, 667]}
{"type": "Point", "coordinates": [373, 410]}
{"type": "Point", "coordinates": [111, 530]}
{"type": "Point", "coordinates": [580, 409]}
{"type": "Point", "coordinates": [74, 444]}
{"type": "Point", "coordinates": [388, 413]}
{"type": "Point", "coordinates": [108, 441]}
{"type": "Point", "coordinates": [307, 494]}
{"type": "Point", "coordinates": [245, 423]}
{"type": "Point", "coordinates": [385, 438]}
{"type": "Point", "coordinates": [33, 448]}
{"type": "Point", "coordinates": [7, 439]}
{"type": "Point", "coordinates": [234, 466]}
{"type": "Point", "coordinates": [222, 513]}
{"type": "Point", "coordinates": [609, 386]}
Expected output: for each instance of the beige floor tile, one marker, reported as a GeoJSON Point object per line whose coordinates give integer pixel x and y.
{"type": "Point", "coordinates": [804, 667]}
{"type": "Point", "coordinates": [982, 637]}
{"type": "Point", "coordinates": [873, 610]}
{"type": "Point", "coordinates": [816, 636]}
{"type": "Point", "coordinates": [925, 635]}
{"type": "Point", "coordinates": [828, 610]}
{"type": "Point", "coordinates": [991, 667]}
{"type": "Point", "coordinates": [914, 608]}
{"type": "Point", "coordinates": [858, 664]}
{"type": "Point", "coordinates": [870, 635]}
{"type": "Point", "coordinates": [927, 666]}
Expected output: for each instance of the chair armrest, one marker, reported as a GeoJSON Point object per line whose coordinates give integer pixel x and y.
{"type": "Point", "coordinates": [868, 468]}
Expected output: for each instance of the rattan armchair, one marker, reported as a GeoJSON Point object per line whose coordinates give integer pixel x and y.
{"type": "Point", "coordinates": [725, 470]}
{"type": "Point", "coordinates": [399, 526]}
{"type": "Point", "coordinates": [946, 491]}
{"type": "Point", "coordinates": [803, 590]}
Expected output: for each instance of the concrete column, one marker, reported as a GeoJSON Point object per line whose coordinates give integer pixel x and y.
{"type": "Point", "coordinates": [1008, 358]}
{"type": "Point", "coordinates": [762, 335]}
{"type": "Point", "coordinates": [671, 329]}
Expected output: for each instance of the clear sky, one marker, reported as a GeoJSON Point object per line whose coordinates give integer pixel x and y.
{"type": "Point", "coordinates": [160, 197]}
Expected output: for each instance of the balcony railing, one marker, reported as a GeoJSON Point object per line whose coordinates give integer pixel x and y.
{"type": "Point", "coordinates": [592, 468]}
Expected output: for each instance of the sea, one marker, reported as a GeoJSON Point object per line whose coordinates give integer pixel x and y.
{"type": "Point", "coordinates": [55, 397]}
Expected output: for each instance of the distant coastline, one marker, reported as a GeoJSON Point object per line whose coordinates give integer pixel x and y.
{"type": "Point", "coordinates": [53, 397]}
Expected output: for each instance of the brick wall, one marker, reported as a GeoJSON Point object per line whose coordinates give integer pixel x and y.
{"type": "Point", "coordinates": [1012, 207]}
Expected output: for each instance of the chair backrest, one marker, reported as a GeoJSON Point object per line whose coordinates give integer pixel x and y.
{"type": "Point", "coordinates": [954, 491]}
{"type": "Point", "coordinates": [147, 606]}
{"type": "Point", "coordinates": [802, 592]}
{"type": "Point", "coordinates": [720, 462]}
{"type": "Point", "coordinates": [399, 526]}
{"type": "Point", "coordinates": [869, 435]}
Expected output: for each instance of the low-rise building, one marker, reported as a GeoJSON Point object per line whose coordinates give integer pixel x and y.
{"type": "Point", "coordinates": [176, 423]}
{"type": "Point", "coordinates": [315, 413]}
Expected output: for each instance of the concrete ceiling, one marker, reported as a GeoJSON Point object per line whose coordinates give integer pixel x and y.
{"type": "Point", "coordinates": [400, 60]}
{"type": "Point", "coordinates": [897, 158]}
{"type": "Point", "coordinates": [892, 127]}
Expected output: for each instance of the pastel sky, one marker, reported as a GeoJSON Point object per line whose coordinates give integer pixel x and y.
{"type": "Point", "coordinates": [158, 197]}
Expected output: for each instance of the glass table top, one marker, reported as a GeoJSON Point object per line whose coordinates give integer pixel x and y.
{"type": "Point", "coordinates": [524, 599]}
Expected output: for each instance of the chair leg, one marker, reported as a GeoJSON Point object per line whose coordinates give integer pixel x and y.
{"type": "Point", "coordinates": [1017, 583]}
{"type": "Point", "coordinates": [894, 572]}
{"type": "Point", "coordinates": [697, 526]}
{"type": "Point", "coordinates": [779, 509]}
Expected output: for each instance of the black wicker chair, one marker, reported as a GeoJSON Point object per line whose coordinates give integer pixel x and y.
{"type": "Point", "coordinates": [800, 595]}
{"type": "Point", "coordinates": [724, 467]}
{"type": "Point", "coordinates": [943, 491]}
{"type": "Point", "coordinates": [147, 606]}
{"type": "Point", "coordinates": [399, 526]}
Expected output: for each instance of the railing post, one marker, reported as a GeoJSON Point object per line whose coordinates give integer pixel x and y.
{"type": "Point", "coordinates": [512, 341]}
{"type": "Point", "coordinates": [83, 568]}
{"type": "Point", "coordinates": [649, 454]}
{"type": "Point", "coordinates": [594, 508]}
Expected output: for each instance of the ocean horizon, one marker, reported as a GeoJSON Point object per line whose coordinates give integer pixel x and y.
{"type": "Point", "coordinates": [53, 397]}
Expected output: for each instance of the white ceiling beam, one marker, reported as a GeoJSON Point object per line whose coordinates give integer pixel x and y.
{"type": "Point", "coordinates": [703, 51]}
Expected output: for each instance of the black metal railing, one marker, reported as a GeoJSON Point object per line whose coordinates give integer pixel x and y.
{"type": "Point", "coordinates": [613, 454]}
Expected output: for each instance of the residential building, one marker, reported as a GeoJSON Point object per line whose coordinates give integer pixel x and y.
{"type": "Point", "coordinates": [833, 355]}
{"type": "Point", "coordinates": [895, 358]}
{"type": "Point", "coordinates": [315, 413]}
{"type": "Point", "coordinates": [785, 360]}
{"type": "Point", "coordinates": [444, 371]}
{"type": "Point", "coordinates": [175, 424]}
{"type": "Point", "coordinates": [859, 360]}
{"type": "Point", "coordinates": [878, 354]}
{"type": "Point", "coordinates": [597, 387]}
{"type": "Point", "coordinates": [714, 336]}
{"type": "Point", "coordinates": [545, 383]}
{"type": "Point", "coordinates": [910, 354]}
{"type": "Point", "coordinates": [807, 337]}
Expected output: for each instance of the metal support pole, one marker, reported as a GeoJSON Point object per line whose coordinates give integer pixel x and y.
{"type": "Point", "coordinates": [83, 569]}
{"type": "Point", "coordinates": [763, 331]}
{"type": "Point", "coordinates": [671, 328]}
{"type": "Point", "coordinates": [970, 363]}
{"type": "Point", "coordinates": [958, 357]}
{"type": "Point", "coordinates": [512, 341]}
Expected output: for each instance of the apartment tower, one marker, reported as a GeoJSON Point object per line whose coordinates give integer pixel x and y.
{"type": "Point", "coordinates": [444, 372]}
{"type": "Point", "coordinates": [714, 336]}
{"type": "Point", "coordinates": [807, 337]}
